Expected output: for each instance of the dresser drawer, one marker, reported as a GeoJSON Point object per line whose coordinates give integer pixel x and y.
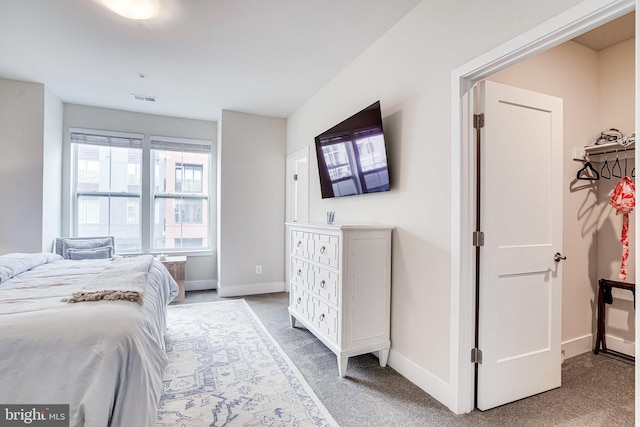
{"type": "Point", "coordinates": [301, 273]}
{"type": "Point", "coordinates": [325, 319]}
{"type": "Point", "coordinates": [325, 249]}
{"type": "Point", "coordinates": [301, 243]}
{"type": "Point", "coordinates": [302, 303]}
{"type": "Point", "coordinates": [325, 284]}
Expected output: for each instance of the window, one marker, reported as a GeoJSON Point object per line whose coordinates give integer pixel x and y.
{"type": "Point", "coordinates": [188, 178]}
{"type": "Point", "coordinates": [88, 171]}
{"type": "Point", "coordinates": [133, 211]}
{"type": "Point", "coordinates": [186, 243]}
{"type": "Point", "coordinates": [107, 187]}
{"type": "Point", "coordinates": [188, 211]}
{"type": "Point", "coordinates": [133, 174]}
{"type": "Point", "coordinates": [181, 194]}
{"type": "Point", "coordinates": [88, 211]}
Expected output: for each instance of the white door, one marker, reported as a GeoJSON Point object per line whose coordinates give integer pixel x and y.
{"type": "Point", "coordinates": [521, 217]}
{"type": "Point", "coordinates": [296, 197]}
{"type": "Point", "coordinates": [297, 182]}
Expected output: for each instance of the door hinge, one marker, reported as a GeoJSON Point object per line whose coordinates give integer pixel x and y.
{"type": "Point", "coordinates": [476, 356]}
{"type": "Point", "coordinates": [478, 238]}
{"type": "Point", "coordinates": [295, 176]}
{"type": "Point", "coordinates": [478, 121]}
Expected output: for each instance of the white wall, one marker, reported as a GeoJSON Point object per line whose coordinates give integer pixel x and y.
{"type": "Point", "coordinates": [52, 170]}
{"type": "Point", "coordinates": [251, 178]}
{"type": "Point", "coordinates": [409, 71]}
{"type": "Point", "coordinates": [30, 213]}
{"type": "Point", "coordinates": [617, 110]}
{"type": "Point", "coordinates": [198, 268]}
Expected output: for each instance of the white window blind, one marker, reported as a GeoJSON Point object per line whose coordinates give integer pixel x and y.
{"type": "Point", "coordinates": [108, 139]}
{"type": "Point", "coordinates": [191, 146]}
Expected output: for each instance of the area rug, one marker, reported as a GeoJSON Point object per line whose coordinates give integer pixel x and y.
{"type": "Point", "coordinates": [225, 369]}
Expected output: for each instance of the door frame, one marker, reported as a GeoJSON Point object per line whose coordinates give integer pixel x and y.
{"type": "Point", "coordinates": [302, 153]}
{"type": "Point", "coordinates": [579, 19]}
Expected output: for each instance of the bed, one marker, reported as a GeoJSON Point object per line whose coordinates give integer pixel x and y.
{"type": "Point", "coordinates": [104, 358]}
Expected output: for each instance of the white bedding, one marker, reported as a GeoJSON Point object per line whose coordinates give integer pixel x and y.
{"type": "Point", "coordinates": [104, 358]}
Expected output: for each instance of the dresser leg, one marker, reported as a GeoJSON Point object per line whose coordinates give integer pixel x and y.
{"type": "Point", "coordinates": [342, 366]}
{"type": "Point", "coordinates": [383, 355]}
{"type": "Point", "coordinates": [292, 320]}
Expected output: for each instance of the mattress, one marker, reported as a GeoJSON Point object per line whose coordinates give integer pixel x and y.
{"type": "Point", "coordinates": [105, 359]}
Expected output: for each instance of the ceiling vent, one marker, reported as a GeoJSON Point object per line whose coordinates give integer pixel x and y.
{"type": "Point", "coordinates": [147, 98]}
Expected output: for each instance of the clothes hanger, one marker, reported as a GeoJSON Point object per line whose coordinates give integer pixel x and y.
{"type": "Point", "coordinates": [590, 173]}
{"type": "Point", "coordinates": [605, 172]}
{"type": "Point", "coordinates": [625, 164]}
{"type": "Point", "coordinates": [616, 164]}
{"type": "Point", "coordinates": [633, 171]}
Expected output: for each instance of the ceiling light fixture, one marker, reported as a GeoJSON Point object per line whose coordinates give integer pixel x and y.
{"type": "Point", "coordinates": [133, 9]}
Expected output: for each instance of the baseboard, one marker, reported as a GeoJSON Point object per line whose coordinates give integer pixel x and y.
{"type": "Point", "coordinates": [428, 382]}
{"type": "Point", "coordinates": [586, 343]}
{"type": "Point", "coordinates": [200, 285]}
{"type": "Point", "coordinates": [576, 346]}
{"type": "Point", "coordinates": [621, 345]}
{"type": "Point", "coordinates": [252, 289]}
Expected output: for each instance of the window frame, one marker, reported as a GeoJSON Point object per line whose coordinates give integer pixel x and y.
{"type": "Point", "coordinates": [197, 146]}
{"type": "Point", "coordinates": [135, 142]}
{"type": "Point", "coordinates": [147, 174]}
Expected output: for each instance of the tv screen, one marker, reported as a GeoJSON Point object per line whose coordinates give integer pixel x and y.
{"type": "Point", "coordinates": [352, 156]}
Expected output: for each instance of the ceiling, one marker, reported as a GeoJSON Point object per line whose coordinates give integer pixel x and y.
{"type": "Point", "coordinates": [196, 57]}
{"type": "Point", "coordinates": [200, 56]}
{"type": "Point", "coordinates": [609, 34]}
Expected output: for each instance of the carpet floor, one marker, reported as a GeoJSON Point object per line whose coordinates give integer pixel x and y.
{"type": "Point", "coordinates": [596, 390]}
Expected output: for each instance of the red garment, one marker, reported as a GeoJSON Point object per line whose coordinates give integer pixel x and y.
{"type": "Point", "coordinates": [624, 200]}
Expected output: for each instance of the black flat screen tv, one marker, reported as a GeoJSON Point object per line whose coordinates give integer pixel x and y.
{"type": "Point", "coordinates": [352, 156]}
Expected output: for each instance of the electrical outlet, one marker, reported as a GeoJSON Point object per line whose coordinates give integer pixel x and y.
{"type": "Point", "coordinates": [258, 269]}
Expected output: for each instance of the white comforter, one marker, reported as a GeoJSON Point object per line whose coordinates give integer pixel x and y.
{"type": "Point", "coordinates": [105, 358]}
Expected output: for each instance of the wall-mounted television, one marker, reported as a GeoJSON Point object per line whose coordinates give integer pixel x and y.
{"type": "Point", "coordinates": [352, 156]}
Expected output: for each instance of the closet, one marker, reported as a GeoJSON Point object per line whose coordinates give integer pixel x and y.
{"type": "Point", "coordinates": [594, 75]}
{"type": "Point", "coordinates": [605, 167]}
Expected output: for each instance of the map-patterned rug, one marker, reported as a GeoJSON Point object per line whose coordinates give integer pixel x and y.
{"type": "Point", "coordinates": [225, 369]}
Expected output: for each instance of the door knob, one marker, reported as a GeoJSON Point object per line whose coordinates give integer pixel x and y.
{"type": "Point", "coordinates": [558, 257]}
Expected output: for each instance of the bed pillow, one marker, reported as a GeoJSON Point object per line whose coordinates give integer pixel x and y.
{"type": "Point", "coordinates": [89, 243]}
{"type": "Point", "coordinates": [95, 253]}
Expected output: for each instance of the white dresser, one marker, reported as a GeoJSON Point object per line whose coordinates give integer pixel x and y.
{"type": "Point", "coordinates": [341, 285]}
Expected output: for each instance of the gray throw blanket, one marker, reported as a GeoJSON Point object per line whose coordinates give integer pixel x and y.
{"type": "Point", "coordinates": [123, 280]}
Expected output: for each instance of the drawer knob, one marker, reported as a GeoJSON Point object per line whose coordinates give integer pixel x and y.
{"type": "Point", "coordinates": [323, 250]}
{"type": "Point", "coordinates": [322, 284]}
{"type": "Point", "coordinates": [299, 272]}
{"type": "Point", "coordinates": [299, 243]}
{"type": "Point", "coordinates": [322, 317]}
{"type": "Point", "coordinates": [299, 300]}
